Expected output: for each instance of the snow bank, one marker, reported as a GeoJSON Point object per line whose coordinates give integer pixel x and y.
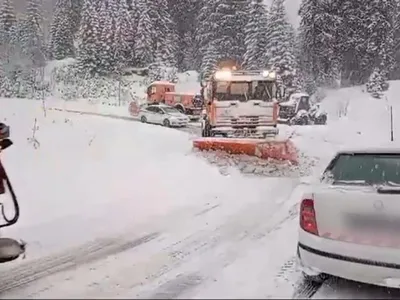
{"type": "Point", "coordinates": [354, 119]}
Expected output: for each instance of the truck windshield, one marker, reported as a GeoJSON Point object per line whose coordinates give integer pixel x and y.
{"type": "Point", "coordinates": [244, 91]}
{"type": "Point", "coordinates": [365, 169]}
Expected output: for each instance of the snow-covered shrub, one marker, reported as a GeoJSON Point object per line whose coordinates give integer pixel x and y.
{"type": "Point", "coordinates": [24, 84]}
{"type": "Point", "coordinates": [69, 85]}
{"type": "Point", "coordinates": [376, 84]}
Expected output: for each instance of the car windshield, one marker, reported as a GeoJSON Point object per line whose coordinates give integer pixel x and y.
{"type": "Point", "coordinates": [244, 91]}
{"type": "Point", "coordinates": [170, 110]}
{"type": "Point", "coordinates": [367, 169]}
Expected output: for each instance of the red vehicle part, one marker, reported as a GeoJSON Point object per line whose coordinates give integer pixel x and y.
{"type": "Point", "coordinates": [134, 109]}
{"type": "Point", "coordinates": [283, 150]}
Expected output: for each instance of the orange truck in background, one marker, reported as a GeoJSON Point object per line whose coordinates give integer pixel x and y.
{"type": "Point", "coordinates": [165, 92]}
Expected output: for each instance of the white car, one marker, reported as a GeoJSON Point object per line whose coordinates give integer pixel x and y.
{"type": "Point", "coordinates": [163, 115]}
{"type": "Point", "coordinates": [350, 220]}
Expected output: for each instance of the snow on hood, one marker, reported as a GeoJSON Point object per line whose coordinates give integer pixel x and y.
{"type": "Point", "coordinates": [176, 114]}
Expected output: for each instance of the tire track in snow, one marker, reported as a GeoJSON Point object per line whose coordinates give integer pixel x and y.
{"type": "Point", "coordinates": [92, 252]}
{"type": "Point", "coordinates": [227, 242]}
{"type": "Point", "coordinates": [87, 253]}
{"type": "Point", "coordinates": [181, 260]}
{"type": "Point", "coordinates": [289, 273]}
{"type": "Point", "coordinates": [306, 289]}
{"type": "Point", "coordinates": [176, 287]}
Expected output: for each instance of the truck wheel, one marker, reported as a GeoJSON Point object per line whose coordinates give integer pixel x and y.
{"type": "Point", "coordinates": [321, 120]}
{"type": "Point", "coordinates": [143, 119]}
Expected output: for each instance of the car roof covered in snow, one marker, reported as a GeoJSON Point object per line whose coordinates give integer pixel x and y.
{"type": "Point", "coordinates": [180, 94]}
{"type": "Point", "coordinates": [246, 78]}
{"type": "Point", "coordinates": [160, 105]}
{"type": "Point", "coordinates": [388, 148]}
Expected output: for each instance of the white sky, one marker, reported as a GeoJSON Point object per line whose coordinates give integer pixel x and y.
{"type": "Point", "coordinates": [292, 7]}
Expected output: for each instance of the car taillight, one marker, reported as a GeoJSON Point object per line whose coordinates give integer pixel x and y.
{"type": "Point", "coordinates": [308, 220]}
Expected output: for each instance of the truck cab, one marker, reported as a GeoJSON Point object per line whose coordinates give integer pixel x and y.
{"type": "Point", "coordinates": [187, 103]}
{"type": "Point", "coordinates": [157, 90]}
{"type": "Point", "coordinates": [241, 104]}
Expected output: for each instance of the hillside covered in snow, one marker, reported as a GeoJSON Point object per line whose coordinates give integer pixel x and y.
{"type": "Point", "coordinates": [312, 45]}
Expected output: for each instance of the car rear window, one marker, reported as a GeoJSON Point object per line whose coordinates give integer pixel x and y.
{"type": "Point", "coordinates": [365, 169]}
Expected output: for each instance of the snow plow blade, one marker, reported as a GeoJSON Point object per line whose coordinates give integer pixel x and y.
{"type": "Point", "coordinates": [283, 150]}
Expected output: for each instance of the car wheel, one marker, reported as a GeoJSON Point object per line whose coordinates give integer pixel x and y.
{"type": "Point", "coordinates": [318, 279]}
{"type": "Point", "coordinates": [143, 119]}
{"type": "Point", "coordinates": [167, 123]}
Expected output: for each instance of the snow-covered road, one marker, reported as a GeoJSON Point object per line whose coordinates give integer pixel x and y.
{"type": "Point", "coordinates": [116, 209]}
{"type": "Point", "coordinates": [123, 208]}
{"type": "Point", "coordinates": [189, 253]}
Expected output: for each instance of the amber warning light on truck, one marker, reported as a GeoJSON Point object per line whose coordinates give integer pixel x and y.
{"type": "Point", "coordinates": [226, 74]}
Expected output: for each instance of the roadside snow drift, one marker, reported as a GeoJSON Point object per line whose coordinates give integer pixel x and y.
{"type": "Point", "coordinates": [91, 176]}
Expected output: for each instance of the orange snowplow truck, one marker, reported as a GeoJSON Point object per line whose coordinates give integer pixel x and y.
{"type": "Point", "coordinates": [164, 92]}
{"type": "Point", "coordinates": [240, 103]}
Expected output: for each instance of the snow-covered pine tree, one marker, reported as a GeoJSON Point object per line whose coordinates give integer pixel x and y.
{"type": "Point", "coordinates": [134, 14]}
{"type": "Point", "coordinates": [395, 74]}
{"type": "Point", "coordinates": [156, 31]}
{"type": "Point", "coordinates": [308, 58]}
{"type": "Point", "coordinates": [381, 30]}
{"type": "Point", "coordinates": [209, 61]}
{"type": "Point", "coordinates": [354, 42]}
{"type": "Point", "coordinates": [255, 35]}
{"type": "Point", "coordinates": [7, 20]}
{"type": "Point", "coordinates": [183, 13]}
{"type": "Point", "coordinates": [76, 10]}
{"type": "Point", "coordinates": [158, 69]}
{"type": "Point", "coordinates": [116, 35]}
{"type": "Point", "coordinates": [90, 40]}
{"type": "Point", "coordinates": [320, 33]}
{"type": "Point", "coordinates": [279, 44]}
{"type": "Point", "coordinates": [220, 33]}
{"type": "Point", "coordinates": [108, 46]}
{"type": "Point", "coordinates": [206, 31]}
{"type": "Point", "coordinates": [168, 35]}
{"type": "Point", "coordinates": [30, 35]}
{"type": "Point", "coordinates": [146, 36]}
{"type": "Point", "coordinates": [62, 31]}
{"type": "Point", "coordinates": [231, 17]}
{"type": "Point", "coordinates": [188, 54]}
{"type": "Point", "coordinates": [375, 84]}
{"type": "Point", "coordinates": [123, 34]}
